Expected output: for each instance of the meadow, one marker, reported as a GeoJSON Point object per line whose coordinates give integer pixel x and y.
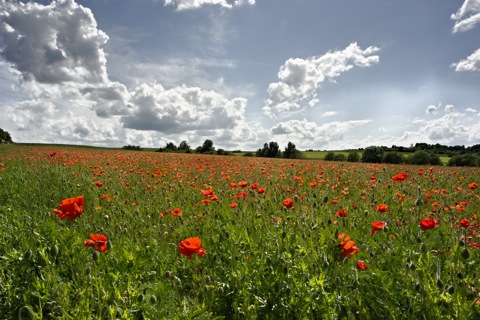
{"type": "Point", "coordinates": [91, 233]}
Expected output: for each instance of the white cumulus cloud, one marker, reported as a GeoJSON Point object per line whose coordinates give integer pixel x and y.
{"type": "Point", "coordinates": [195, 4]}
{"type": "Point", "coordinates": [467, 16]}
{"type": "Point", "coordinates": [299, 79]}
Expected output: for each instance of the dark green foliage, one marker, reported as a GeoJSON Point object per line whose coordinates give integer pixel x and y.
{"type": "Point", "coordinates": [183, 146]}
{"type": "Point", "coordinates": [353, 156]}
{"type": "Point", "coordinates": [170, 147]}
{"type": "Point", "coordinates": [422, 157]}
{"type": "Point", "coordinates": [291, 152]}
{"type": "Point", "coordinates": [330, 156]}
{"type": "Point", "coordinates": [270, 150]}
{"type": "Point", "coordinates": [207, 147]}
{"type": "Point", "coordinates": [393, 158]}
{"type": "Point", "coordinates": [340, 157]}
{"type": "Point", "coordinates": [464, 160]}
{"type": "Point", "coordinates": [5, 136]}
{"type": "Point", "coordinates": [135, 148]}
{"type": "Point", "coordinates": [373, 155]}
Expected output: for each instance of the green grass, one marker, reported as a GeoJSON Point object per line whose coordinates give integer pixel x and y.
{"type": "Point", "coordinates": [263, 261]}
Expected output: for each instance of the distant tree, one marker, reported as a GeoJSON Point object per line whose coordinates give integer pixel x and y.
{"type": "Point", "coordinates": [269, 150]}
{"type": "Point", "coordinates": [207, 147]}
{"type": "Point", "coordinates": [340, 157]}
{"type": "Point", "coordinates": [291, 152]}
{"type": "Point", "coordinates": [393, 158]}
{"type": "Point", "coordinates": [5, 136]}
{"type": "Point", "coordinates": [373, 155]}
{"type": "Point", "coordinates": [353, 156]}
{"type": "Point", "coordinates": [170, 147]}
{"type": "Point", "coordinates": [330, 156]}
{"type": "Point", "coordinates": [135, 148]}
{"type": "Point", "coordinates": [464, 160]}
{"type": "Point", "coordinates": [183, 146]}
{"type": "Point", "coordinates": [422, 157]}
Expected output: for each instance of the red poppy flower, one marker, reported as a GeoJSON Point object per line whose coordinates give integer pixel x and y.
{"type": "Point", "coordinates": [465, 223]}
{"type": "Point", "coordinates": [342, 213]}
{"type": "Point", "coordinates": [70, 208]}
{"type": "Point", "coordinates": [243, 184]}
{"type": "Point", "coordinates": [473, 185]}
{"type": "Point", "coordinates": [176, 212]}
{"type": "Point", "coordinates": [429, 223]}
{"type": "Point", "coordinates": [382, 207]}
{"type": "Point", "coordinates": [191, 246]}
{"type": "Point", "coordinates": [233, 205]}
{"type": "Point", "coordinates": [288, 203]}
{"type": "Point", "coordinates": [361, 265]}
{"type": "Point", "coordinates": [349, 247]}
{"type": "Point", "coordinates": [261, 190]}
{"type": "Point", "coordinates": [400, 177]}
{"type": "Point", "coordinates": [99, 184]}
{"type": "Point", "coordinates": [378, 226]}
{"type": "Point", "coordinates": [254, 186]}
{"type": "Point", "coordinates": [97, 241]}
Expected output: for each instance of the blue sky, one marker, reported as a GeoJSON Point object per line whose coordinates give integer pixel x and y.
{"type": "Point", "coordinates": [324, 75]}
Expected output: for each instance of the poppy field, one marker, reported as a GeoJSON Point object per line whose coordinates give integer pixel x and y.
{"type": "Point", "coordinates": [90, 233]}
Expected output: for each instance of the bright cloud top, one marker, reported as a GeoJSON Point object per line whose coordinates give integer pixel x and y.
{"type": "Point", "coordinates": [467, 16]}
{"type": "Point", "coordinates": [195, 4]}
{"type": "Point", "coordinates": [301, 78]}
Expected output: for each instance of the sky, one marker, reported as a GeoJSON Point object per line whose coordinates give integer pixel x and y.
{"type": "Point", "coordinates": [324, 75]}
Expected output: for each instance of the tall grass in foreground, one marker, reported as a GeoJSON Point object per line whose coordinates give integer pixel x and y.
{"type": "Point", "coordinates": [263, 260]}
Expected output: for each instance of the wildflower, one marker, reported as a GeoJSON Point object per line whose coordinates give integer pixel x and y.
{"type": "Point", "coordinates": [429, 223]}
{"type": "Point", "coordinates": [361, 265]}
{"type": "Point", "coordinates": [342, 213]}
{"type": "Point", "coordinates": [243, 184]}
{"type": "Point", "coordinates": [261, 190]}
{"type": "Point", "coordinates": [191, 246]}
{"type": "Point", "coordinates": [71, 208]}
{"type": "Point", "coordinates": [233, 205]}
{"type": "Point", "coordinates": [99, 184]}
{"type": "Point", "coordinates": [288, 203]}
{"type": "Point", "coordinates": [400, 177]}
{"type": "Point", "coordinates": [382, 207]}
{"type": "Point", "coordinates": [254, 186]}
{"type": "Point", "coordinates": [176, 212]}
{"type": "Point", "coordinates": [349, 247]}
{"type": "Point", "coordinates": [473, 185]}
{"type": "Point", "coordinates": [465, 223]}
{"type": "Point", "coordinates": [378, 226]}
{"type": "Point", "coordinates": [97, 241]}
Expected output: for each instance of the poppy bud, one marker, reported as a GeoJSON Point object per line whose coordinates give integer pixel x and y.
{"type": "Point", "coordinates": [27, 255]}
{"type": "Point", "coordinates": [325, 199]}
{"type": "Point", "coordinates": [418, 202]}
{"type": "Point", "coordinates": [95, 255]}
{"type": "Point", "coordinates": [153, 299]}
{"type": "Point", "coordinates": [54, 251]}
{"type": "Point", "coordinates": [460, 275]}
{"type": "Point", "coordinates": [450, 289]}
{"type": "Point", "coordinates": [462, 242]}
{"type": "Point", "coordinates": [417, 286]}
{"type": "Point", "coordinates": [423, 247]}
{"type": "Point", "coordinates": [88, 270]}
{"type": "Point", "coordinates": [439, 283]}
{"type": "Point", "coordinates": [465, 253]}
